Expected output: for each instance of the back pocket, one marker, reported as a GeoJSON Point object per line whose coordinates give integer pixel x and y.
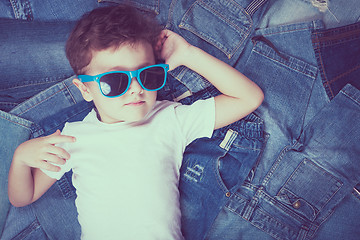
{"type": "Point", "coordinates": [223, 24]}
{"type": "Point", "coordinates": [309, 189]}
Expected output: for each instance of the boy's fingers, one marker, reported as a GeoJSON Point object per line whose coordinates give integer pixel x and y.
{"type": "Point", "coordinates": [54, 159]}
{"type": "Point", "coordinates": [61, 139]}
{"type": "Point", "coordinates": [60, 152]}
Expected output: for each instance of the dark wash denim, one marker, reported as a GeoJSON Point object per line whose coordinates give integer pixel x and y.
{"type": "Point", "coordinates": [332, 45]}
{"type": "Point", "coordinates": [306, 183]}
{"type": "Point", "coordinates": [215, 168]}
{"type": "Point", "coordinates": [293, 113]}
{"type": "Point", "coordinates": [47, 111]}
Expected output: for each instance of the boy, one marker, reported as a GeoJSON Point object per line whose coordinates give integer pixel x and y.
{"type": "Point", "coordinates": [126, 153]}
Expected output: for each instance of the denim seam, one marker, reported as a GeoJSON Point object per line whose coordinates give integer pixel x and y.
{"type": "Point", "coordinates": [17, 123]}
{"type": "Point", "coordinates": [284, 64]}
{"type": "Point", "coordinates": [286, 31]}
{"type": "Point", "coordinates": [356, 194]}
{"type": "Point", "coordinates": [254, 6]}
{"type": "Point", "coordinates": [170, 14]}
{"type": "Point", "coordinates": [323, 171]}
{"type": "Point", "coordinates": [43, 100]}
{"type": "Point", "coordinates": [69, 91]}
{"type": "Point", "coordinates": [279, 205]}
{"type": "Point", "coordinates": [34, 83]}
{"type": "Point", "coordinates": [271, 233]}
{"type": "Point", "coordinates": [275, 165]}
{"type": "Point", "coordinates": [15, 9]}
{"type": "Point", "coordinates": [65, 188]}
{"type": "Point", "coordinates": [28, 230]}
{"type": "Point", "coordinates": [222, 16]}
{"type": "Point", "coordinates": [343, 74]}
{"type": "Point", "coordinates": [215, 43]}
{"type": "Point", "coordinates": [218, 178]}
{"type": "Point", "coordinates": [351, 97]}
{"type": "Point", "coordinates": [324, 79]}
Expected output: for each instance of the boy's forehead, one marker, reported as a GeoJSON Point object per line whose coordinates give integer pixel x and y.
{"type": "Point", "coordinates": [126, 57]}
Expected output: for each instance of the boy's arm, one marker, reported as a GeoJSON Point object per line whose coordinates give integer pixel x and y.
{"type": "Point", "coordinates": [27, 182]}
{"type": "Point", "coordinates": [240, 96]}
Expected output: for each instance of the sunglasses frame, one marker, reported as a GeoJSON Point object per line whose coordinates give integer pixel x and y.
{"type": "Point", "coordinates": [130, 74]}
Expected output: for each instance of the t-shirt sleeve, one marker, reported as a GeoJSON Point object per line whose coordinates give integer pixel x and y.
{"type": "Point", "coordinates": [197, 120]}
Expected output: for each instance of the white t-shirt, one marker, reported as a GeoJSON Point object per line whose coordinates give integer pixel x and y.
{"type": "Point", "coordinates": [126, 174]}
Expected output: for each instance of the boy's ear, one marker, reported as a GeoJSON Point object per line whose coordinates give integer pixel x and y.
{"type": "Point", "coordinates": [83, 89]}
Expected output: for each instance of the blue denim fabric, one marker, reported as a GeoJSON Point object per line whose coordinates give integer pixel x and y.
{"type": "Point", "coordinates": [294, 99]}
{"type": "Point", "coordinates": [336, 44]}
{"type": "Point", "coordinates": [38, 116]}
{"type": "Point", "coordinates": [50, 120]}
{"type": "Point", "coordinates": [51, 10]}
{"type": "Point", "coordinates": [53, 216]}
{"type": "Point", "coordinates": [189, 18]}
{"type": "Point", "coordinates": [308, 193]}
{"type": "Point", "coordinates": [213, 169]}
{"type": "Point", "coordinates": [306, 182]}
{"type": "Point", "coordinates": [31, 64]}
{"type": "Point", "coordinates": [333, 13]}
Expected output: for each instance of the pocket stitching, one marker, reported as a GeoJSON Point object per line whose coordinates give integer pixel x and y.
{"type": "Point", "coordinates": [229, 52]}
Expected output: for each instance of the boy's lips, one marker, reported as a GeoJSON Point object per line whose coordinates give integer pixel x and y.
{"type": "Point", "coordinates": [135, 103]}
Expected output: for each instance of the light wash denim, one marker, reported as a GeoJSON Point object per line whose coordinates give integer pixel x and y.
{"type": "Point", "coordinates": [310, 191]}
{"type": "Point", "coordinates": [334, 13]}
{"type": "Point", "coordinates": [295, 109]}
{"type": "Point", "coordinates": [48, 10]}
{"type": "Point", "coordinates": [306, 184]}
{"type": "Point", "coordinates": [41, 115]}
{"type": "Point", "coordinates": [29, 60]}
{"type": "Point", "coordinates": [238, 18]}
{"type": "Point", "coordinates": [180, 16]}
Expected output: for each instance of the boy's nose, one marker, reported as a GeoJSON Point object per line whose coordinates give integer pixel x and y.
{"type": "Point", "coordinates": [135, 86]}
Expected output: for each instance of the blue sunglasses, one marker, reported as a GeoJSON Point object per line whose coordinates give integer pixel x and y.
{"type": "Point", "coordinates": [116, 83]}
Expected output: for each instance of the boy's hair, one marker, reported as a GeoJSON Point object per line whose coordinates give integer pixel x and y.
{"type": "Point", "coordinates": [108, 27]}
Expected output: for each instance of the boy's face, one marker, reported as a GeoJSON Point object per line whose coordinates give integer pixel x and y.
{"type": "Point", "coordinates": [136, 102]}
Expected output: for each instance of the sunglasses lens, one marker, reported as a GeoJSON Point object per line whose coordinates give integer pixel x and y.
{"type": "Point", "coordinates": [153, 78]}
{"type": "Point", "coordinates": [113, 84]}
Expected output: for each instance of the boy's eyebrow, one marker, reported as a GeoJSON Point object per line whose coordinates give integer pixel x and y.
{"type": "Point", "coordinates": [120, 68]}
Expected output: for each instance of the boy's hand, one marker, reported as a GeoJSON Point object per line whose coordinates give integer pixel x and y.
{"type": "Point", "coordinates": [172, 48]}
{"type": "Point", "coordinates": [42, 152]}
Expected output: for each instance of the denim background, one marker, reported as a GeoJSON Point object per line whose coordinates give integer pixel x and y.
{"type": "Point", "coordinates": [302, 184]}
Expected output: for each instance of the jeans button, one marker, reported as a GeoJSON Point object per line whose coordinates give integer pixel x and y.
{"type": "Point", "coordinates": [296, 204]}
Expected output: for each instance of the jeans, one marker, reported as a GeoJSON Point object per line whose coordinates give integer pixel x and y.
{"type": "Point", "coordinates": [239, 18]}
{"type": "Point", "coordinates": [306, 183]}
{"type": "Point", "coordinates": [309, 191]}
{"type": "Point", "coordinates": [38, 116]}
{"type": "Point", "coordinates": [296, 106]}
{"type": "Point", "coordinates": [332, 45]}
{"type": "Point", "coordinates": [28, 65]}
{"type": "Point", "coordinates": [334, 13]}
{"type": "Point", "coordinates": [52, 10]}
{"type": "Point", "coordinates": [46, 116]}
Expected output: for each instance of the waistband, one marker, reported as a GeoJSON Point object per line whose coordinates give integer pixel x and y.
{"type": "Point", "coordinates": [327, 37]}
{"type": "Point", "coordinates": [352, 92]}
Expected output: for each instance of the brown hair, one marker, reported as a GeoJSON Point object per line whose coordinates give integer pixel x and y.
{"type": "Point", "coordinates": [105, 28]}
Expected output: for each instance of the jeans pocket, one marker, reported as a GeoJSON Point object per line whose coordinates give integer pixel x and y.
{"type": "Point", "coordinates": [309, 189]}
{"type": "Point", "coordinates": [223, 24]}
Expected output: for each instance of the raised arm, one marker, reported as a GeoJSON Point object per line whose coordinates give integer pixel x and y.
{"type": "Point", "coordinates": [240, 96]}
{"type": "Point", "coordinates": [27, 182]}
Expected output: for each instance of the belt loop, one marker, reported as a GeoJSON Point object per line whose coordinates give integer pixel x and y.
{"type": "Point", "coordinates": [254, 6]}
{"type": "Point", "coordinates": [228, 139]}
